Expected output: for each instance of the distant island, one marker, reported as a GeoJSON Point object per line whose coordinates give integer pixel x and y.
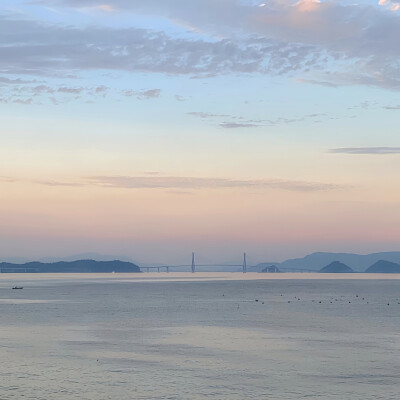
{"type": "Point", "coordinates": [316, 261]}
{"type": "Point", "coordinates": [271, 269]}
{"type": "Point", "coordinates": [79, 266]}
{"type": "Point", "coordinates": [384, 267]}
{"type": "Point", "coordinates": [336, 267]}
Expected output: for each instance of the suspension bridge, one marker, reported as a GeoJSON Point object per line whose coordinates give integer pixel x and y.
{"type": "Point", "coordinates": [193, 265]}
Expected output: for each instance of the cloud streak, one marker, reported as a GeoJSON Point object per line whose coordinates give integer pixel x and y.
{"type": "Point", "coordinates": [205, 115]}
{"type": "Point", "coordinates": [237, 122]}
{"type": "Point", "coordinates": [174, 182]}
{"type": "Point", "coordinates": [397, 107]}
{"type": "Point", "coordinates": [237, 125]}
{"type": "Point", "coordinates": [153, 180]}
{"type": "Point", "coordinates": [30, 92]}
{"type": "Point", "coordinates": [366, 150]}
{"type": "Point", "coordinates": [143, 94]}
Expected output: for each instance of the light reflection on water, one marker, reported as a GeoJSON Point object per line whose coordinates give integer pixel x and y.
{"type": "Point", "coordinates": [97, 338]}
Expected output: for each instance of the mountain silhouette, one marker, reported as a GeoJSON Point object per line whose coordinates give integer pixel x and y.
{"type": "Point", "coordinates": [336, 267]}
{"type": "Point", "coordinates": [384, 267]}
{"type": "Point", "coordinates": [358, 262]}
{"type": "Point", "coordinates": [79, 266]}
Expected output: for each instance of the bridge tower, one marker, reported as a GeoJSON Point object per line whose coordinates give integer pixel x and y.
{"type": "Point", "coordinates": [244, 263]}
{"type": "Point", "coordinates": [193, 264]}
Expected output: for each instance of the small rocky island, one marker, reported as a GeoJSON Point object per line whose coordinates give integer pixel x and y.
{"type": "Point", "coordinates": [384, 267]}
{"type": "Point", "coordinates": [271, 269]}
{"type": "Point", "coordinates": [336, 267]}
{"type": "Point", "coordinates": [79, 266]}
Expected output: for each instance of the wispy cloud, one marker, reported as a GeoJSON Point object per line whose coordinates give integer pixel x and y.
{"type": "Point", "coordinates": [174, 182]}
{"type": "Point", "coordinates": [366, 150]}
{"type": "Point", "coordinates": [8, 179]}
{"type": "Point", "coordinates": [44, 182]}
{"type": "Point", "coordinates": [70, 90]}
{"type": "Point", "coordinates": [205, 115]}
{"type": "Point", "coordinates": [23, 101]}
{"type": "Point", "coordinates": [397, 107]}
{"type": "Point", "coordinates": [105, 7]}
{"type": "Point", "coordinates": [143, 94]}
{"type": "Point", "coordinates": [56, 183]}
{"type": "Point", "coordinates": [153, 180]}
{"type": "Point", "coordinates": [236, 121]}
{"type": "Point", "coordinates": [229, 124]}
{"type": "Point", "coordinates": [316, 82]}
{"type": "Point", "coordinates": [18, 81]}
{"type": "Point", "coordinates": [391, 5]}
{"type": "Point", "coordinates": [30, 92]}
{"type": "Point", "coordinates": [236, 125]}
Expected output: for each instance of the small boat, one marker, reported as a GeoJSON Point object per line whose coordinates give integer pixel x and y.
{"type": "Point", "coordinates": [18, 287]}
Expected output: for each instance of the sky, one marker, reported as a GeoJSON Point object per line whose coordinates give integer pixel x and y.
{"type": "Point", "coordinates": [151, 129]}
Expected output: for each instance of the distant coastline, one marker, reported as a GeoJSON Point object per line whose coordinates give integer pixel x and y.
{"type": "Point", "coordinates": [315, 262]}
{"type": "Point", "coordinates": [324, 263]}
{"type": "Point", "coordinates": [79, 266]}
{"type": "Point", "coordinates": [336, 267]}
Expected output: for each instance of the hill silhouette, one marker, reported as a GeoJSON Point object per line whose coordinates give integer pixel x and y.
{"type": "Point", "coordinates": [359, 262]}
{"type": "Point", "coordinates": [384, 267]}
{"type": "Point", "coordinates": [79, 266]}
{"type": "Point", "coordinates": [336, 267]}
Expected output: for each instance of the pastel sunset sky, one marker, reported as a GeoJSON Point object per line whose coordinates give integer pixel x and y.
{"type": "Point", "coordinates": [154, 128]}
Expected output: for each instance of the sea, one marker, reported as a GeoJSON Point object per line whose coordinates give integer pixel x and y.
{"type": "Point", "coordinates": [200, 336]}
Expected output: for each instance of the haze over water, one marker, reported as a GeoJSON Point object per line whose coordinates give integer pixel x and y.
{"type": "Point", "coordinates": [177, 336]}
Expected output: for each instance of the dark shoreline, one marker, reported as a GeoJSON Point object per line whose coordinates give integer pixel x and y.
{"type": "Point", "coordinates": [79, 266]}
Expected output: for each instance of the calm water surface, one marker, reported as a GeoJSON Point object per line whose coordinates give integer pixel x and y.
{"type": "Point", "coordinates": [99, 338]}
